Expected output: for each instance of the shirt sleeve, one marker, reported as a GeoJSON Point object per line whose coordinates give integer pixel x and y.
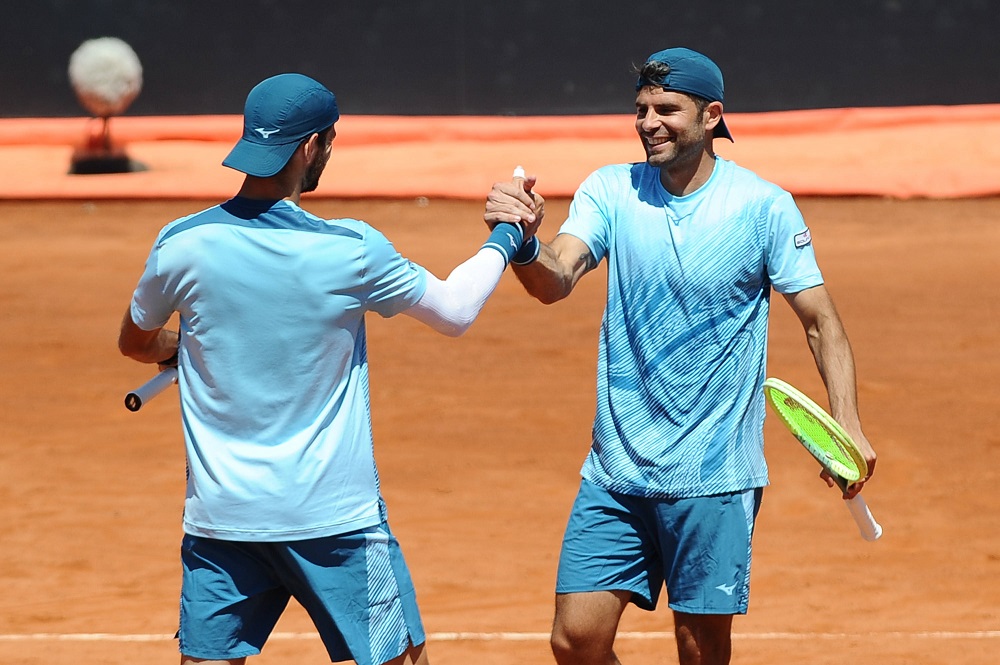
{"type": "Point", "coordinates": [791, 260]}
{"type": "Point", "coordinates": [589, 217]}
{"type": "Point", "coordinates": [151, 307]}
{"type": "Point", "coordinates": [394, 283]}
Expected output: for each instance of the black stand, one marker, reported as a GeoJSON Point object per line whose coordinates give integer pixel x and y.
{"type": "Point", "coordinates": [100, 155]}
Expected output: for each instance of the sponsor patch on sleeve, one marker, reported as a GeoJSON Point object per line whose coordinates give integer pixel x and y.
{"type": "Point", "coordinates": [802, 239]}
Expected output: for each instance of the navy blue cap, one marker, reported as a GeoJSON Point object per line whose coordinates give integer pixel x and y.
{"type": "Point", "coordinates": [693, 73]}
{"type": "Point", "coordinates": [280, 112]}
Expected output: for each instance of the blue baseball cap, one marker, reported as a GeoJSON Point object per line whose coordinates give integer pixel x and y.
{"type": "Point", "coordinates": [280, 112]}
{"type": "Point", "coordinates": [691, 72]}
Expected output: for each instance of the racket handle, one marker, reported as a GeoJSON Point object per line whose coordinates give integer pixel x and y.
{"type": "Point", "coordinates": [870, 529]}
{"type": "Point", "coordinates": [147, 391]}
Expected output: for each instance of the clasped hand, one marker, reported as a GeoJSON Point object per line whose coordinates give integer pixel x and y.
{"type": "Point", "coordinates": [515, 202]}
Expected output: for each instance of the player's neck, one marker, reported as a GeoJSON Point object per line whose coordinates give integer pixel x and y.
{"type": "Point", "coordinates": [270, 189]}
{"type": "Point", "coordinates": [686, 178]}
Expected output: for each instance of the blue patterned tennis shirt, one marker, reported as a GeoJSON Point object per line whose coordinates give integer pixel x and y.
{"type": "Point", "coordinates": [683, 343]}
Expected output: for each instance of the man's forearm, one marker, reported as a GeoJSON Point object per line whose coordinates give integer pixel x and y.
{"type": "Point", "coordinates": [146, 346]}
{"type": "Point", "coordinates": [550, 279]}
{"type": "Point", "coordinates": [835, 362]}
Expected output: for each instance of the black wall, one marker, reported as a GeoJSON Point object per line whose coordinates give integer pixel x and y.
{"type": "Point", "coordinates": [518, 57]}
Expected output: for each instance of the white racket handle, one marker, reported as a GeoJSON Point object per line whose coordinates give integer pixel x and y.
{"type": "Point", "coordinates": [147, 391]}
{"type": "Point", "coordinates": [870, 529]}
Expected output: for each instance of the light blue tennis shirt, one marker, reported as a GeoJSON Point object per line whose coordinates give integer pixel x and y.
{"type": "Point", "coordinates": [682, 353]}
{"type": "Point", "coordinates": [273, 364]}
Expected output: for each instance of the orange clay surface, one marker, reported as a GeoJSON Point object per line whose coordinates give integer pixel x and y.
{"type": "Point", "coordinates": [480, 439]}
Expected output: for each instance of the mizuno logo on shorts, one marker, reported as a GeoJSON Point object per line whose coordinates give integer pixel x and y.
{"type": "Point", "coordinates": [726, 588]}
{"type": "Point", "coordinates": [802, 239]}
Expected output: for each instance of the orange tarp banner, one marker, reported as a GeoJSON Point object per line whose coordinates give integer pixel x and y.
{"type": "Point", "coordinates": [905, 152]}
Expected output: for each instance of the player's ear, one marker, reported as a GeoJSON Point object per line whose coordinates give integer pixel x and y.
{"type": "Point", "coordinates": [311, 147]}
{"type": "Point", "coordinates": [712, 115]}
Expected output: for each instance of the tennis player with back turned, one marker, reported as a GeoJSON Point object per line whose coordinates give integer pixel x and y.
{"type": "Point", "coordinates": [283, 497]}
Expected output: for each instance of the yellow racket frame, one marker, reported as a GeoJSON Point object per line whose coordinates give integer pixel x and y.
{"type": "Point", "coordinates": [839, 455]}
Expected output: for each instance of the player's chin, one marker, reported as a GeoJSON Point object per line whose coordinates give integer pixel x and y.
{"type": "Point", "coordinates": [658, 157]}
{"type": "Point", "coordinates": [657, 160]}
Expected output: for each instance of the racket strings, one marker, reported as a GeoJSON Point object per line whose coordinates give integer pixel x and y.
{"type": "Point", "coordinates": [816, 435]}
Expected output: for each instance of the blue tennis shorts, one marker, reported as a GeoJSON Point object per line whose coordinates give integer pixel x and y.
{"type": "Point", "coordinates": [355, 586]}
{"type": "Point", "coordinates": [698, 547]}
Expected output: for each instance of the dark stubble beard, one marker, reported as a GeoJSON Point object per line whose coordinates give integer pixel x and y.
{"type": "Point", "coordinates": [688, 149]}
{"type": "Point", "coordinates": [310, 181]}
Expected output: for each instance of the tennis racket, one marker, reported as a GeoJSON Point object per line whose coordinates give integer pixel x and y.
{"type": "Point", "coordinates": [827, 441]}
{"type": "Point", "coordinates": [147, 391]}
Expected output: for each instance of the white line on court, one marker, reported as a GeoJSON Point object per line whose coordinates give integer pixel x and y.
{"type": "Point", "coordinates": [528, 637]}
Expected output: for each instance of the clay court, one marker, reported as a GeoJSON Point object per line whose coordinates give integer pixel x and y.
{"type": "Point", "coordinates": [479, 441]}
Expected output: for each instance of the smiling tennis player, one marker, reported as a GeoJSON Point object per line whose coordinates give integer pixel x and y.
{"type": "Point", "coordinates": [671, 488]}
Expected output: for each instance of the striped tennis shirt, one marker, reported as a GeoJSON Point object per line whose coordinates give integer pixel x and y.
{"type": "Point", "coordinates": [683, 340]}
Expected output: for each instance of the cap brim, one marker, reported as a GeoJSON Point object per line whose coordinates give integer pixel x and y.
{"type": "Point", "coordinates": [255, 159]}
{"type": "Point", "coordinates": [722, 131]}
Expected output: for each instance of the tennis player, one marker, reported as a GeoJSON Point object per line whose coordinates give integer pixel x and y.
{"type": "Point", "coordinates": [283, 496]}
{"type": "Point", "coordinates": [671, 487]}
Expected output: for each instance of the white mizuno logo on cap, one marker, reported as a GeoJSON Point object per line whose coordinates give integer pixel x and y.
{"type": "Point", "coordinates": [266, 133]}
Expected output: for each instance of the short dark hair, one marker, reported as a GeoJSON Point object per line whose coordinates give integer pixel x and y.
{"type": "Point", "coordinates": [323, 134]}
{"type": "Point", "coordinates": [654, 73]}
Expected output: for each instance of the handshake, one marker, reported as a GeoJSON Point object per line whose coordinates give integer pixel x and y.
{"type": "Point", "coordinates": [515, 204]}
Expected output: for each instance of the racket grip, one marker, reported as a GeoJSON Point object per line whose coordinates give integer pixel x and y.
{"type": "Point", "coordinates": [147, 391]}
{"type": "Point", "coordinates": [869, 528]}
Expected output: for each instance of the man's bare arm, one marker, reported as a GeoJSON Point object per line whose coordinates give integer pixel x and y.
{"type": "Point", "coordinates": [560, 265]}
{"type": "Point", "coordinates": [146, 346]}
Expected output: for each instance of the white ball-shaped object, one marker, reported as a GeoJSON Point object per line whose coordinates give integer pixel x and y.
{"type": "Point", "coordinates": [106, 75]}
